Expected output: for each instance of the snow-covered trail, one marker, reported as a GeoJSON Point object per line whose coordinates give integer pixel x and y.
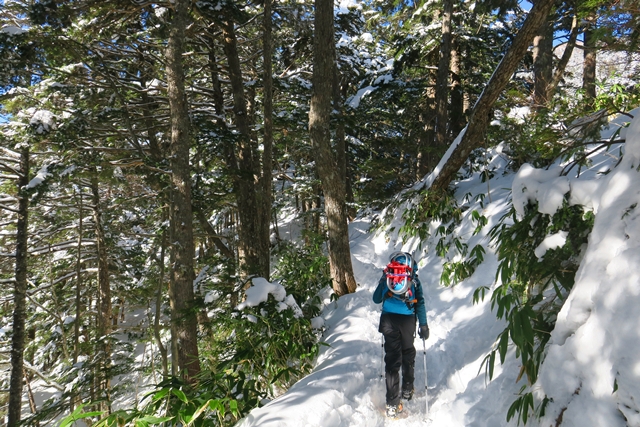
{"type": "Point", "coordinates": [590, 374]}
{"type": "Point", "coordinates": [347, 387]}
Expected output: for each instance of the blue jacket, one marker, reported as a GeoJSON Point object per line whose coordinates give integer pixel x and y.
{"type": "Point", "coordinates": [393, 304]}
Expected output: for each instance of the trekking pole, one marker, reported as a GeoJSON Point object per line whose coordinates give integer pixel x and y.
{"type": "Point", "coordinates": [426, 392]}
{"type": "Point", "coordinates": [382, 356]}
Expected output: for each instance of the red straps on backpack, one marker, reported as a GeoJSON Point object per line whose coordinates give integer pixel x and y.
{"type": "Point", "coordinates": [398, 272]}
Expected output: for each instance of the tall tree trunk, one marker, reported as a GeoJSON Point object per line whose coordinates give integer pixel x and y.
{"type": "Point", "coordinates": [266, 184]}
{"type": "Point", "coordinates": [474, 134]}
{"type": "Point", "coordinates": [425, 155]}
{"type": "Point", "coordinates": [421, 152]}
{"type": "Point", "coordinates": [566, 55]}
{"type": "Point", "coordinates": [19, 294]}
{"type": "Point", "coordinates": [218, 104]}
{"type": "Point", "coordinates": [32, 399]}
{"type": "Point", "coordinates": [251, 248]}
{"type": "Point", "coordinates": [442, 81]}
{"type": "Point", "coordinates": [542, 64]}
{"type": "Point", "coordinates": [333, 183]}
{"type": "Point", "coordinates": [218, 95]}
{"type": "Point", "coordinates": [104, 292]}
{"type": "Point", "coordinates": [76, 323]}
{"type": "Point", "coordinates": [181, 294]}
{"type": "Point", "coordinates": [341, 151]}
{"type": "Point", "coordinates": [158, 309]}
{"type": "Point", "coordinates": [78, 294]}
{"type": "Point", "coordinates": [589, 65]}
{"type": "Point", "coordinates": [457, 97]}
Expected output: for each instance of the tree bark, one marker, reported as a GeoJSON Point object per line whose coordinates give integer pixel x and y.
{"type": "Point", "coordinates": [339, 137]}
{"type": "Point", "coordinates": [457, 97]}
{"type": "Point", "coordinates": [158, 309]}
{"type": "Point", "coordinates": [589, 65]}
{"type": "Point", "coordinates": [341, 150]}
{"type": "Point", "coordinates": [251, 248]}
{"type": "Point", "coordinates": [181, 293]}
{"type": "Point", "coordinates": [218, 103]}
{"type": "Point", "coordinates": [76, 323]}
{"type": "Point", "coordinates": [542, 64]}
{"type": "Point", "coordinates": [474, 134]}
{"type": "Point", "coordinates": [104, 292]}
{"type": "Point", "coordinates": [19, 295]}
{"type": "Point", "coordinates": [218, 95]}
{"type": "Point", "coordinates": [78, 291]}
{"type": "Point", "coordinates": [566, 55]}
{"type": "Point", "coordinates": [442, 80]}
{"type": "Point", "coordinates": [333, 183]}
{"type": "Point", "coordinates": [425, 156]}
{"type": "Point", "coordinates": [266, 185]}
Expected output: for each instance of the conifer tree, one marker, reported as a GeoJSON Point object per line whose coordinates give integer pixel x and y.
{"type": "Point", "coordinates": [117, 198]}
{"type": "Point", "coordinates": [20, 291]}
{"type": "Point", "coordinates": [542, 64]}
{"type": "Point", "coordinates": [442, 81]}
{"type": "Point", "coordinates": [589, 61]}
{"type": "Point", "coordinates": [473, 135]}
{"type": "Point", "coordinates": [182, 244]}
{"type": "Point", "coordinates": [333, 183]}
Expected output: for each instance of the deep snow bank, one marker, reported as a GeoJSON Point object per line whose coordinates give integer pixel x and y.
{"type": "Point", "coordinates": [592, 371]}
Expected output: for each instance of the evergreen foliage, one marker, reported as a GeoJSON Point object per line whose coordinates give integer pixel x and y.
{"type": "Point", "coordinates": [529, 292]}
{"type": "Point", "coordinates": [83, 86]}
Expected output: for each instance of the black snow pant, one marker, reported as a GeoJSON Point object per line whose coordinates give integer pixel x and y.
{"type": "Point", "coordinates": [399, 331]}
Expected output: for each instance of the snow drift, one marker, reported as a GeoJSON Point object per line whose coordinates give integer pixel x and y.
{"type": "Point", "coordinates": [591, 374]}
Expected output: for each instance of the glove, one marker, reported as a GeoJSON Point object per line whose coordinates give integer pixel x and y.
{"type": "Point", "coordinates": [423, 332]}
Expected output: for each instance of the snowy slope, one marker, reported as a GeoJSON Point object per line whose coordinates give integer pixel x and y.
{"type": "Point", "coordinates": [592, 370]}
{"type": "Point", "coordinates": [594, 346]}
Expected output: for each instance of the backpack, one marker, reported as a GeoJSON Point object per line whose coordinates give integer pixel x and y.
{"type": "Point", "coordinates": [400, 283]}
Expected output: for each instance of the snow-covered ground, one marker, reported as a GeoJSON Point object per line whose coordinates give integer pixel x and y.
{"type": "Point", "coordinates": [592, 370]}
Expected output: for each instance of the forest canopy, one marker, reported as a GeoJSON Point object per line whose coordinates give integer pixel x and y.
{"type": "Point", "coordinates": [157, 159]}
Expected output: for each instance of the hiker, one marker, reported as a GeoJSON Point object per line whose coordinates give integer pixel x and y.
{"type": "Point", "coordinates": [400, 292]}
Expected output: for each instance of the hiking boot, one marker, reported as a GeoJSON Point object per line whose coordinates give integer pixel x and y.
{"type": "Point", "coordinates": [394, 410]}
{"type": "Point", "coordinates": [407, 394]}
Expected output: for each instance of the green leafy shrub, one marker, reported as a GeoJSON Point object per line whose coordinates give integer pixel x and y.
{"type": "Point", "coordinates": [174, 402]}
{"type": "Point", "coordinates": [465, 262]}
{"type": "Point", "coordinates": [430, 206]}
{"type": "Point", "coordinates": [532, 291]}
{"type": "Point", "coordinates": [247, 356]}
{"type": "Point", "coordinates": [259, 352]}
{"type": "Point", "coordinates": [456, 271]}
{"type": "Point", "coordinates": [304, 271]}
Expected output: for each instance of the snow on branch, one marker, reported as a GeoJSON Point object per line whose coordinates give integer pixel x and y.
{"type": "Point", "coordinates": [40, 177]}
{"type": "Point", "coordinates": [261, 289]}
{"type": "Point", "coordinates": [43, 377]}
{"type": "Point", "coordinates": [14, 155]}
{"type": "Point", "coordinates": [10, 159]}
{"type": "Point", "coordinates": [47, 285]}
{"type": "Point", "coordinates": [69, 244]}
{"type": "Point", "coordinates": [545, 186]}
{"type": "Point", "coordinates": [7, 208]}
{"type": "Point", "coordinates": [5, 167]}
